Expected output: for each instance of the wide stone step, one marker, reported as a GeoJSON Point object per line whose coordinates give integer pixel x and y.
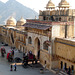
{"type": "Point", "coordinates": [62, 73]}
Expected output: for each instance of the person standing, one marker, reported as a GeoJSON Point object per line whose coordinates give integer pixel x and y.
{"type": "Point", "coordinates": [11, 67]}
{"type": "Point", "coordinates": [64, 68]}
{"type": "Point", "coordinates": [13, 52]}
{"type": "Point", "coordinates": [3, 51]}
{"type": "Point", "coordinates": [69, 71]}
{"type": "Point", "coordinates": [15, 67]}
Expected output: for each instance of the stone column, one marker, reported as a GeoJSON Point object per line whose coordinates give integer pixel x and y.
{"type": "Point", "coordinates": [74, 27]}
{"type": "Point", "coordinates": [59, 10]}
{"type": "Point", "coordinates": [64, 11]}
{"type": "Point", "coordinates": [50, 53]}
{"type": "Point", "coordinates": [49, 50]}
{"type": "Point", "coordinates": [26, 41]}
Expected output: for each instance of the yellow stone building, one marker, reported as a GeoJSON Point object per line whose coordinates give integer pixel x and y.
{"type": "Point", "coordinates": [46, 37]}
{"type": "Point", "coordinates": [64, 50]}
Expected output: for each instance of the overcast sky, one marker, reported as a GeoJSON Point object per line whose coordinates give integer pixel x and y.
{"type": "Point", "coordinates": [40, 4]}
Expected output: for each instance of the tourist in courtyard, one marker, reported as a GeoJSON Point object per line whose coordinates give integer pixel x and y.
{"type": "Point", "coordinates": [3, 51]}
{"type": "Point", "coordinates": [69, 71]}
{"type": "Point", "coordinates": [12, 54]}
{"type": "Point", "coordinates": [11, 67]}
{"type": "Point", "coordinates": [64, 68]}
{"type": "Point", "coordinates": [23, 54]}
{"type": "Point", "coordinates": [15, 67]}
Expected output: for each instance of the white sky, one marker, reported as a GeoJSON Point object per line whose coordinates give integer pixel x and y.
{"type": "Point", "coordinates": [41, 4]}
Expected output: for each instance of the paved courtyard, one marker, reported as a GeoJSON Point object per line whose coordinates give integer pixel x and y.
{"type": "Point", "coordinates": [5, 66]}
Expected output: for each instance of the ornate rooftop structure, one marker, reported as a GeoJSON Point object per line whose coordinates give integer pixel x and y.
{"type": "Point", "coordinates": [11, 21]}
{"type": "Point", "coordinates": [21, 22]}
{"type": "Point", "coordinates": [64, 4]}
{"type": "Point", "coordinates": [50, 5]}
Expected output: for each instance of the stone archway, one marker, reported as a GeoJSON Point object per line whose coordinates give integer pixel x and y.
{"type": "Point", "coordinates": [12, 38]}
{"type": "Point", "coordinates": [37, 48]}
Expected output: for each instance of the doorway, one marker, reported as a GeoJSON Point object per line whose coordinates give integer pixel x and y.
{"type": "Point", "coordinates": [61, 64]}
{"type": "Point", "coordinates": [72, 67]}
{"type": "Point", "coordinates": [65, 66]}
{"type": "Point", "coordinates": [37, 48]}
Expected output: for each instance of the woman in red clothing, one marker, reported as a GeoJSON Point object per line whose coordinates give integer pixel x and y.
{"type": "Point", "coordinates": [8, 55]}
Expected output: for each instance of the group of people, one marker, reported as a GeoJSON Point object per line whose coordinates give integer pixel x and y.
{"type": "Point", "coordinates": [28, 57]}
{"type": "Point", "coordinates": [68, 70]}
{"type": "Point", "coordinates": [10, 55]}
{"type": "Point", "coordinates": [12, 67]}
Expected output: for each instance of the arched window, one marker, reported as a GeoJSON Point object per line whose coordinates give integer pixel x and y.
{"type": "Point", "coordinates": [60, 19]}
{"type": "Point", "coordinates": [29, 40]}
{"type": "Point", "coordinates": [44, 18]}
{"type": "Point", "coordinates": [56, 19]}
{"type": "Point", "coordinates": [45, 46]}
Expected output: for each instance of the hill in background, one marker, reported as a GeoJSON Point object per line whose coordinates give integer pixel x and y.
{"type": "Point", "coordinates": [15, 9]}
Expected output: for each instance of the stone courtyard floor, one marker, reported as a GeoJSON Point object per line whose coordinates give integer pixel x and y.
{"type": "Point", "coordinates": [5, 66]}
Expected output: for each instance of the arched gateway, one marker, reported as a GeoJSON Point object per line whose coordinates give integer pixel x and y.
{"type": "Point", "coordinates": [37, 48]}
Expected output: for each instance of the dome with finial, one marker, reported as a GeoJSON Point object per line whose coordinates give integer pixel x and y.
{"type": "Point", "coordinates": [50, 5]}
{"type": "Point", "coordinates": [64, 4]}
{"type": "Point", "coordinates": [11, 21]}
{"type": "Point", "coordinates": [21, 22]}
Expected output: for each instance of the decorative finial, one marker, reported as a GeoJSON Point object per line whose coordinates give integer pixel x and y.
{"type": "Point", "coordinates": [21, 17]}
{"type": "Point", "coordinates": [62, 0]}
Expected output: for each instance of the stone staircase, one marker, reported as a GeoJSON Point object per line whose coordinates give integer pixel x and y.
{"type": "Point", "coordinates": [62, 73]}
{"type": "Point", "coordinates": [59, 72]}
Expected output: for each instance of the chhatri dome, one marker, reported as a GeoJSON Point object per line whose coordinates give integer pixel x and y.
{"type": "Point", "coordinates": [50, 5]}
{"type": "Point", "coordinates": [11, 21]}
{"type": "Point", "coordinates": [21, 22]}
{"type": "Point", "coordinates": [64, 4]}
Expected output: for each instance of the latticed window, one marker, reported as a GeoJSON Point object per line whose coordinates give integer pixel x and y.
{"type": "Point", "coordinates": [29, 40]}
{"type": "Point", "coordinates": [45, 46]}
